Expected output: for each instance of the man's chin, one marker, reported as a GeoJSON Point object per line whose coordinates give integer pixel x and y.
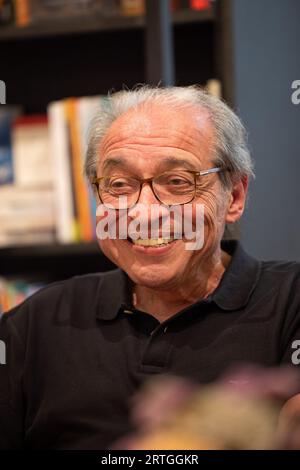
{"type": "Point", "coordinates": [152, 277]}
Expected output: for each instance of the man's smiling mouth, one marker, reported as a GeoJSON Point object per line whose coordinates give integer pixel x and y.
{"type": "Point", "coordinates": [153, 242]}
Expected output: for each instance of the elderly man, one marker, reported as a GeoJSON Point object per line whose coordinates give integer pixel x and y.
{"type": "Point", "coordinates": [78, 350]}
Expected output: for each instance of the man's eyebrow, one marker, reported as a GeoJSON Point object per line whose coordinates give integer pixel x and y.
{"type": "Point", "coordinates": [175, 161]}
{"type": "Point", "coordinates": [112, 162]}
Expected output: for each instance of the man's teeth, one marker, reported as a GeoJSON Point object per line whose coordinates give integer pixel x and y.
{"type": "Point", "coordinates": [152, 241]}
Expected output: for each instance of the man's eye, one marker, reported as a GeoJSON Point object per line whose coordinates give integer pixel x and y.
{"type": "Point", "coordinates": [178, 182]}
{"type": "Point", "coordinates": [121, 184]}
{"type": "Point", "coordinates": [118, 184]}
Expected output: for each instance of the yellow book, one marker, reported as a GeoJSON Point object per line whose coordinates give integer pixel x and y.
{"type": "Point", "coordinates": [80, 187]}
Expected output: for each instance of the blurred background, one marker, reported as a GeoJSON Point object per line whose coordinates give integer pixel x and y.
{"type": "Point", "coordinates": [58, 60]}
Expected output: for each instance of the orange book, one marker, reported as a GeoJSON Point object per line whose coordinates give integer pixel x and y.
{"type": "Point", "coordinates": [132, 7]}
{"type": "Point", "coordinates": [80, 187]}
{"type": "Point", "coordinates": [22, 12]}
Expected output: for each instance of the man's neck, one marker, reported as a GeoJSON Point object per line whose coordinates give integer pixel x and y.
{"type": "Point", "coordinates": [163, 304]}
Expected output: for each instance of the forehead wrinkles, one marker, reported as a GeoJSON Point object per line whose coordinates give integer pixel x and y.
{"type": "Point", "coordinates": [188, 130]}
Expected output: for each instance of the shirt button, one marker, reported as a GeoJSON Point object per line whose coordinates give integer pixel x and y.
{"type": "Point", "coordinates": [128, 311]}
{"type": "Point", "coordinates": [165, 329]}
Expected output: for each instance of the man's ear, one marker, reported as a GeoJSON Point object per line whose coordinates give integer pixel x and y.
{"type": "Point", "coordinates": [237, 200]}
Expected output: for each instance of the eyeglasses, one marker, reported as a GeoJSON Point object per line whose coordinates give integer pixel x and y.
{"type": "Point", "coordinates": [170, 188]}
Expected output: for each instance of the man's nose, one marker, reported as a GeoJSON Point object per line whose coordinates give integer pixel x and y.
{"type": "Point", "coordinates": [147, 196]}
{"type": "Point", "coordinates": [142, 209]}
{"type": "Point", "coordinates": [150, 211]}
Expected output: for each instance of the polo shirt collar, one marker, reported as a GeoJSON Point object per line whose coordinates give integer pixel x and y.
{"type": "Point", "coordinates": [233, 292]}
{"type": "Point", "coordinates": [114, 293]}
{"type": "Point", "coordinates": [239, 279]}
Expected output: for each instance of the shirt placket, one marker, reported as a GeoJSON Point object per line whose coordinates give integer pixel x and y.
{"type": "Point", "coordinates": [157, 351]}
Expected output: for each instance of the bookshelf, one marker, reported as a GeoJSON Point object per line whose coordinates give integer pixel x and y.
{"type": "Point", "coordinates": [96, 24]}
{"type": "Point", "coordinates": [51, 262]}
{"type": "Point", "coordinates": [95, 55]}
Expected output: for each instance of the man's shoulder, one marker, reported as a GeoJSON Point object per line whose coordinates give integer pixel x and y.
{"type": "Point", "coordinates": [257, 277]}
{"type": "Point", "coordinates": [281, 270]}
{"type": "Point", "coordinates": [60, 298]}
{"type": "Point", "coordinates": [282, 280]}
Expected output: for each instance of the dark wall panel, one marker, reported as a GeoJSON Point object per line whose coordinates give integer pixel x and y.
{"type": "Point", "coordinates": [267, 60]}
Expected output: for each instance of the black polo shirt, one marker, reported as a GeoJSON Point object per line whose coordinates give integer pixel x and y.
{"type": "Point", "coordinates": [77, 351]}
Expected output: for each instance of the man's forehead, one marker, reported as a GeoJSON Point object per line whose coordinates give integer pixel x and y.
{"type": "Point", "coordinates": [167, 162]}
{"type": "Point", "coordinates": [147, 137]}
{"type": "Point", "coordinates": [158, 122]}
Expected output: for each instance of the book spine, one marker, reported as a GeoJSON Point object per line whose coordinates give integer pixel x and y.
{"type": "Point", "coordinates": [7, 12]}
{"type": "Point", "coordinates": [132, 7]}
{"type": "Point", "coordinates": [22, 12]}
{"type": "Point", "coordinates": [59, 144]}
{"type": "Point", "coordinates": [14, 292]}
{"type": "Point", "coordinates": [80, 189]}
{"type": "Point", "coordinates": [199, 4]}
{"type": "Point", "coordinates": [88, 107]}
{"type": "Point", "coordinates": [75, 220]}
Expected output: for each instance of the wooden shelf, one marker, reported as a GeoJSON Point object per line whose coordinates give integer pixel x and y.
{"type": "Point", "coordinates": [52, 261]}
{"type": "Point", "coordinates": [49, 250]}
{"type": "Point", "coordinates": [92, 24]}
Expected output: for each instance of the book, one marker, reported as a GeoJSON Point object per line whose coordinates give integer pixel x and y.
{"type": "Point", "coordinates": [132, 7]}
{"type": "Point", "coordinates": [27, 196]}
{"type": "Point", "coordinates": [75, 202]}
{"type": "Point", "coordinates": [6, 12]}
{"type": "Point", "coordinates": [32, 159]}
{"type": "Point", "coordinates": [44, 10]}
{"type": "Point", "coordinates": [200, 4]}
{"type": "Point", "coordinates": [46, 197]}
{"type": "Point", "coordinates": [80, 188]}
{"type": "Point", "coordinates": [26, 216]}
{"type": "Point", "coordinates": [175, 5]}
{"type": "Point", "coordinates": [8, 114]}
{"type": "Point", "coordinates": [13, 292]}
{"type": "Point", "coordinates": [87, 109]}
{"type": "Point", "coordinates": [214, 87]}
{"type": "Point", "coordinates": [63, 183]}
{"type": "Point", "coordinates": [22, 12]}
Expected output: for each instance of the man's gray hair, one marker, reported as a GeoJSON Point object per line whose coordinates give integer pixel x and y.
{"type": "Point", "coordinates": [230, 150]}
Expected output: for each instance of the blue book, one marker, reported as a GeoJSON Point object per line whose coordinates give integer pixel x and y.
{"type": "Point", "coordinates": [7, 116]}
